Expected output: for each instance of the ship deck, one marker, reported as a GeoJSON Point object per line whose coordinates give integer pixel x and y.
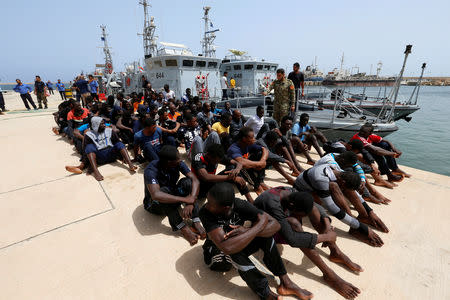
{"type": "Point", "coordinates": [69, 237]}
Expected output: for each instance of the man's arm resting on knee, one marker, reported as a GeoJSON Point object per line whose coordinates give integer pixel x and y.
{"type": "Point", "coordinates": [379, 151]}
{"type": "Point", "coordinates": [160, 196]}
{"type": "Point", "coordinates": [236, 243]}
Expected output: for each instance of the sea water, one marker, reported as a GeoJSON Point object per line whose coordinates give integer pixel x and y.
{"type": "Point", "coordinates": [425, 140]}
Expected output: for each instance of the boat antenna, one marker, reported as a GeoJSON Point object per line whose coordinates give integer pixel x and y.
{"type": "Point", "coordinates": [399, 80]}
{"type": "Point", "coordinates": [342, 63]}
{"type": "Point", "coordinates": [108, 59]}
{"type": "Point", "coordinates": [208, 49]}
{"type": "Point", "coordinates": [417, 87]}
{"type": "Point", "coordinates": [379, 66]}
{"type": "Point", "coordinates": [148, 32]}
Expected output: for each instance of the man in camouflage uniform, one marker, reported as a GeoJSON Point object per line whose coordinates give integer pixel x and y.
{"type": "Point", "coordinates": [284, 94]}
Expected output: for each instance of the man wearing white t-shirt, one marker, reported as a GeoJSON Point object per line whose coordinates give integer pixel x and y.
{"type": "Point", "coordinates": [256, 122]}
{"type": "Point", "coordinates": [167, 93]}
{"type": "Point", "coordinates": [224, 86]}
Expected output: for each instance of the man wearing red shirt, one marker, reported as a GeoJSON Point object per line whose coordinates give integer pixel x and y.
{"type": "Point", "coordinates": [383, 151]}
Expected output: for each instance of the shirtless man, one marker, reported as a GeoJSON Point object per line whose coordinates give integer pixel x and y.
{"type": "Point", "coordinates": [288, 207]}
{"type": "Point", "coordinates": [324, 183]}
{"type": "Point", "coordinates": [223, 217]}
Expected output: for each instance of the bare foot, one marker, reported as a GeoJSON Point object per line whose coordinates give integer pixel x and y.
{"type": "Point", "coordinates": [198, 229]}
{"type": "Point", "coordinates": [374, 221]}
{"type": "Point", "coordinates": [73, 169]}
{"type": "Point", "coordinates": [372, 199]}
{"type": "Point", "coordinates": [311, 162]}
{"type": "Point", "coordinates": [401, 173]}
{"type": "Point", "coordinates": [384, 183]}
{"type": "Point", "coordinates": [97, 176]}
{"type": "Point", "coordinates": [55, 130]}
{"type": "Point", "coordinates": [294, 290]}
{"type": "Point", "coordinates": [344, 288]}
{"type": "Point", "coordinates": [373, 239]}
{"type": "Point", "coordinates": [295, 173]}
{"type": "Point", "coordinates": [384, 200]}
{"type": "Point", "coordinates": [341, 258]}
{"type": "Point", "coordinates": [190, 236]}
{"type": "Point", "coordinates": [395, 178]}
{"type": "Point", "coordinates": [132, 168]}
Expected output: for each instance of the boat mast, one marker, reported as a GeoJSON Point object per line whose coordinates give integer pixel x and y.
{"type": "Point", "coordinates": [397, 83]}
{"type": "Point", "coordinates": [379, 65]}
{"type": "Point", "coordinates": [417, 87]}
{"type": "Point", "coordinates": [108, 59]}
{"type": "Point", "coordinates": [342, 63]}
{"type": "Point", "coordinates": [148, 32]}
{"type": "Point", "coordinates": [208, 49]}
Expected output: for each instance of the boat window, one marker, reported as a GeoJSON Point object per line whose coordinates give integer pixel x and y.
{"type": "Point", "coordinates": [157, 63]}
{"type": "Point", "coordinates": [212, 64]}
{"type": "Point", "coordinates": [248, 67]}
{"type": "Point", "coordinates": [273, 68]}
{"type": "Point", "coordinates": [171, 62]}
{"type": "Point", "coordinates": [200, 63]}
{"type": "Point", "coordinates": [237, 67]}
{"type": "Point", "coordinates": [259, 67]}
{"type": "Point", "coordinates": [228, 68]}
{"type": "Point", "coordinates": [266, 67]}
{"type": "Point", "coordinates": [188, 63]}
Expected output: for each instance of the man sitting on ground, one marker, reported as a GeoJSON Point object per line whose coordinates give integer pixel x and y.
{"type": "Point", "coordinates": [269, 141]}
{"type": "Point", "coordinates": [324, 183]}
{"type": "Point", "coordinates": [223, 130]}
{"type": "Point", "coordinates": [338, 160]}
{"type": "Point", "coordinates": [288, 141]}
{"type": "Point", "coordinates": [366, 160]}
{"type": "Point", "coordinates": [103, 146]}
{"type": "Point", "coordinates": [256, 122]}
{"type": "Point", "coordinates": [308, 135]}
{"type": "Point", "coordinates": [237, 123]}
{"type": "Point", "coordinates": [288, 207]}
{"type": "Point", "coordinates": [383, 151]}
{"type": "Point", "coordinates": [223, 217]}
{"type": "Point", "coordinates": [148, 140]}
{"type": "Point", "coordinates": [204, 166]}
{"type": "Point", "coordinates": [163, 195]}
{"type": "Point", "coordinates": [252, 157]}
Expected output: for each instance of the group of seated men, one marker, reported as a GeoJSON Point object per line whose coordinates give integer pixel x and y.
{"type": "Point", "coordinates": [153, 130]}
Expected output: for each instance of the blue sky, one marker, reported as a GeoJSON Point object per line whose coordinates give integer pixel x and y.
{"type": "Point", "coordinates": [58, 39]}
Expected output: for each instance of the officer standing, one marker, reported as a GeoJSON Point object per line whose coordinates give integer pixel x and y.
{"type": "Point", "coordinates": [284, 94]}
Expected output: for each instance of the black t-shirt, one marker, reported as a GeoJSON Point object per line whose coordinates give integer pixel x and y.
{"type": "Point", "coordinates": [269, 201]}
{"type": "Point", "coordinates": [154, 174]}
{"type": "Point", "coordinates": [199, 162]}
{"type": "Point", "coordinates": [242, 211]}
{"type": "Point", "coordinates": [296, 78]}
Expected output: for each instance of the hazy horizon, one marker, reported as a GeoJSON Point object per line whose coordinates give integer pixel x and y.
{"type": "Point", "coordinates": [59, 40]}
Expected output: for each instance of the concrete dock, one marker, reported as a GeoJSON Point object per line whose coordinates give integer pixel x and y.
{"type": "Point", "coordinates": [67, 236]}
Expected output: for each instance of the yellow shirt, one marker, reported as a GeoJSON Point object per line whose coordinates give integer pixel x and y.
{"type": "Point", "coordinates": [219, 128]}
{"type": "Point", "coordinates": [232, 83]}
